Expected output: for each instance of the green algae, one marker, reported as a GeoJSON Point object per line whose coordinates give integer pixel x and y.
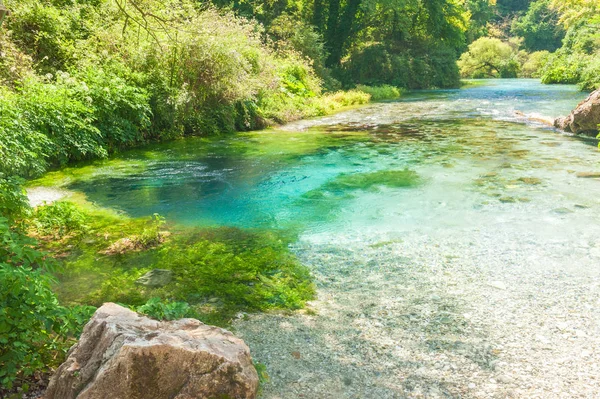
{"type": "Point", "coordinates": [218, 271]}
{"type": "Point", "coordinates": [366, 181]}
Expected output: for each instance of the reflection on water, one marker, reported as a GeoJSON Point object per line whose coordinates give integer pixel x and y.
{"type": "Point", "coordinates": [476, 158]}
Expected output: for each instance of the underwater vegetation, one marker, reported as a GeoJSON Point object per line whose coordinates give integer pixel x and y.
{"type": "Point", "coordinates": [217, 271]}
{"type": "Point", "coordinates": [366, 181]}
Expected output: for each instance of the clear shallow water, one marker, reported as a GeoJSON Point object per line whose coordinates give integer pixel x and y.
{"type": "Point", "coordinates": [479, 279]}
{"type": "Point", "coordinates": [478, 161]}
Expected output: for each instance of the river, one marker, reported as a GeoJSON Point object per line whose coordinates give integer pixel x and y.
{"type": "Point", "coordinates": [453, 240]}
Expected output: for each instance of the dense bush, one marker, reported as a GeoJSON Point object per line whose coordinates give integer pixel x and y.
{"type": "Point", "coordinates": [539, 27]}
{"type": "Point", "coordinates": [35, 331]}
{"type": "Point", "coordinates": [384, 92]}
{"type": "Point", "coordinates": [405, 68]}
{"type": "Point", "coordinates": [532, 67]}
{"type": "Point", "coordinates": [14, 205]}
{"type": "Point", "coordinates": [58, 219]}
{"type": "Point", "coordinates": [577, 60]}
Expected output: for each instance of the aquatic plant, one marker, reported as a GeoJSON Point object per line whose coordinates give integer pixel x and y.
{"type": "Point", "coordinates": [370, 180]}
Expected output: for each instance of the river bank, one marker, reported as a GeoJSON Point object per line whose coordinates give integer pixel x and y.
{"type": "Point", "coordinates": [452, 241]}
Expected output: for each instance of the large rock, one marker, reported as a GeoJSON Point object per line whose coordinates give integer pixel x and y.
{"type": "Point", "coordinates": [122, 355]}
{"type": "Point", "coordinates": [585, 118]}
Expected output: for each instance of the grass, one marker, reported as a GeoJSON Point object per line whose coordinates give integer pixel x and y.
{"type": "Point", "coordinates": [379, 93]}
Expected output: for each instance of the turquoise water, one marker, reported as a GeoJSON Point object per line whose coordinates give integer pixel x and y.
{"type": "Point", "coordinates": [475, 156]}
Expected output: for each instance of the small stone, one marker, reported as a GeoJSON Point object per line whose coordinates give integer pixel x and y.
{"type": "Point", "coordinates": [562, 211]}
{"type": "Point", "coordinates": [472, 386]}
{"type": "Point", "coordinates": [530, 180]}
{"type": "Point", "coordinates": [497, 284]}
{"type": "Point", "coordinates": [588, 175]}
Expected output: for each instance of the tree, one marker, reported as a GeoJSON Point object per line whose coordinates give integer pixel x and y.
{"type": "Point", "coordinates": [539, 27]}
{"type": "Point", "coordinates": [489, 57]}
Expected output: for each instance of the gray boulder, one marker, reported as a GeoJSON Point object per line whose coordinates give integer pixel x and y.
{"type": "Point", "coordinates": [585, 118]}
{"type": "Point", "coordinates": [122, 355]}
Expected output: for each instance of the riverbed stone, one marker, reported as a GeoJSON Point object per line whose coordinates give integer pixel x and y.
{"type": "Point", "coordinates": [585, 118]}
{"type": "Point", "coordinates": [156, 278]}
{"type": "Point", "coordinates": [123, 355]}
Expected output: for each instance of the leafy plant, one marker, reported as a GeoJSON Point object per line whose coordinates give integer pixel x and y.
{"type": "Point", "coordinates": [151, 236]}
{"type": "Point", "coordinates": [35, 331]}
{"type": "Point", "coordinates": [165, 310]}
{"type": "Point", "coordinates": [59, 219]}
{"type": "Point", "coordinates": [14, 204]}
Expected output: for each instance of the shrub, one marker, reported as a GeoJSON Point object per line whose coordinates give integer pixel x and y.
{"type": "Point", "coordinates": [563, 68]}
{"type": "Point", "coordinates": [58, 219]}
{"type": "Point", "coordinates": [121, 110]}
{"type": "Point", "coordinates": [377, 93]}
{"type": "Point", "coordinates": [411, 68]}
{"type": "Point", "coordinates": [159, 309]}
{"type": "Point", "coordinates": [14, 205]}
{"type": "Point", "coordinates": [63, 112]}
{"type": "Point", "coordinates": [22, 148]}
{"type": "Point", "coordinates": [534, 63]}
{"type": "Point", "coordinates": [590, 75]}
{"type": "Point", "coordinates": [35, 331]}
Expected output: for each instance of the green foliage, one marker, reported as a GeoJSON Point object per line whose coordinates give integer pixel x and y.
{"type": "Point", "coordinates": [58, 219]}
{"type": "Point", "coordinates": [378, 93]}
{"type": "Point", "coordinates": [590, 75]}
{"type": "Point", "coordinates": [14, 64]}
{"type": "Point", "coordinates": [22, 148]}
{"type": "Point", "coordinates": [165, 310]}
{"type": "Point", "coordinates": [539, 27]}
{"type": "Point", "coordinates": [14, 205]}
{"type": "Point", "coordinates": [532, 67]}
{"type": "Point", "coordinates": [577, 60]}
{"type": "Point", "coordinates": [61, 110]}
{"type": "Point", "coordinates": [151, 235]}
{"type": "Point", "coordinates": [562, 67]}
{"type": "Point", "coordinates": [121, 110]}
{"type": "Point", "coordinates": [35, 331]}
{"type": "Point", "coordinates": [489, 57]}
{"type": "Point", "coordinates": [404, 68]}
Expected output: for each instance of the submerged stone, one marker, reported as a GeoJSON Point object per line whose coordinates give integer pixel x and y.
{"type": "Point", "coordinates": [155, 278]}
{"type": "Point", "coordinates": [588, 175]}
{"type": "Point", "coordinates": [562, 211]}
{"type": "Point", "coordinates": [530, 180]}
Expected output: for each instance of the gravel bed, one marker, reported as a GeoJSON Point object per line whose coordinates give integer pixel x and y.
{"type": "Point", "coordinates": [481, 313]}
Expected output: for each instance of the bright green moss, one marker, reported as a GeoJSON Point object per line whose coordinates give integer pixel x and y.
{"type": "Point", "coordinates": [218, 271]}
